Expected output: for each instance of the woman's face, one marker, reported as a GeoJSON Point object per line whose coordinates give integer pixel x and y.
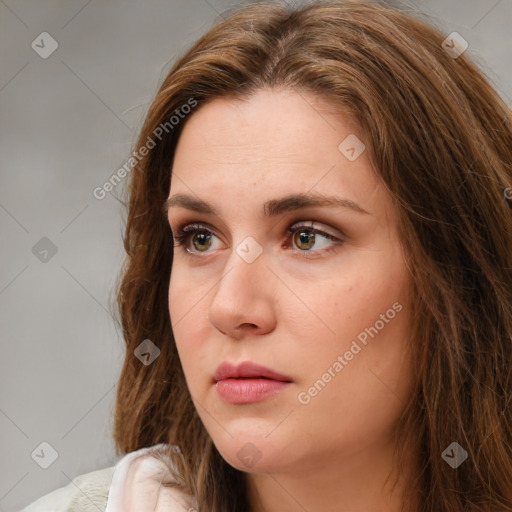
{"type": "Point", "coordinates": [325, 306]}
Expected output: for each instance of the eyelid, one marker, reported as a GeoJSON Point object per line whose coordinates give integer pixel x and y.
{"type": "Point", "coordinates": [316, 226]}
{"type": "Point", "coordinates": [193, 226]}
{"type": "Point", "coordinates": [338, 232]}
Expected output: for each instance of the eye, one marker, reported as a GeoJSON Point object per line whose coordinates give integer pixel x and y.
{"type": "Point", "coordinates": [200, 234]}
{"type": "Point", "coordinates": [304, 238]}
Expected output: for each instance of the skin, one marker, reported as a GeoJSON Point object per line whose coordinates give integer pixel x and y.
{"type": "Point", "coordinates": [288, 312]}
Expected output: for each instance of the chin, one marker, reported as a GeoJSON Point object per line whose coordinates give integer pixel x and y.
{"type": "Point", "coordinates": [250, 451]}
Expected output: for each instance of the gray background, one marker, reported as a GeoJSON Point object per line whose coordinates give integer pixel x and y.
{"type": "Point", "coordinates": [67, 123]}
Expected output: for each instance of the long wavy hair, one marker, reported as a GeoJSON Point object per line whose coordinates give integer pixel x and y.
{"type": "Point", "coordinates": [440, 139]}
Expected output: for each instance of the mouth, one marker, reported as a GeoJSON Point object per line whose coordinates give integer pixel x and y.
{"type": "Point", "coordinates": [247, 370]}
{"type": "Point", "coordinates": [248, 382]}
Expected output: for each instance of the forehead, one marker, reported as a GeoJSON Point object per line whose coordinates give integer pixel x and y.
{"type": "Point", "coordinates": [275, 142]}
{"type": "Point", "coordinates": [270, 124]}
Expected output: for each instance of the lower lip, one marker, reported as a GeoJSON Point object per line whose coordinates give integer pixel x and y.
{"type": "Point", "coordinates": [247, 391]}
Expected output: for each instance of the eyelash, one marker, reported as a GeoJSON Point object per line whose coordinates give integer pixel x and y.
{"type": "Point", "coordinates": [184, 232]}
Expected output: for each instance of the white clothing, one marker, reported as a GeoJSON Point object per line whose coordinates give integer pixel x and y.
{"type": "Point", "coordinates": [132, 484]}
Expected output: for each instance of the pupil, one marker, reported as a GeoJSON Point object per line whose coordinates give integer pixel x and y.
{"type": "Point", "coordinates": [202, 238]}
{"type": "Point", "coordinates": [306, 238]}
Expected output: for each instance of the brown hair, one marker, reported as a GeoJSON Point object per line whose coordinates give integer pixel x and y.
{"type": "Point", "coordinates": [440, 139]}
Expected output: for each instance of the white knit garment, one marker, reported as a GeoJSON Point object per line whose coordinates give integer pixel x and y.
{"type": "Point", "coordinates": [133, 484]}
{"type": "Point", "coordinates": [136, 486]}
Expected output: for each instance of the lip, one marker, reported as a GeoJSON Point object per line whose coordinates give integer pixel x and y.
{"type": "Point", "coordinates": [248, 382]}
{"type": "Point", "coordinates": [247, 369]}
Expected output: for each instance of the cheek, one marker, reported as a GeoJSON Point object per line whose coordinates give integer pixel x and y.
{"type": "Point", "coordinates": [188, 312]}
{"type": "Point", "coordinates": [187, 302]}
{"type": "Point", "coordinates": [358, 292]}
{"type": "Point", "coordinates": [371, 381]}
{"type": "Point", "coordinates": [365, 310]}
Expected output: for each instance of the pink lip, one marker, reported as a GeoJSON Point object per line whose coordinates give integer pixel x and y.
{"type": "Point", "coordinates": [248, 382]}
{"type": "Point", "coordinates": [247, 369]}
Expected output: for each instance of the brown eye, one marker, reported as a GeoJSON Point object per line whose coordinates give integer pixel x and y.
{"type": "Point", "coordinates": [201, 240]}
{"type": "Point", "coordinates": [195, 235]}
{"type": "Point", "coordinates": [304, 239]}
{"type": "Point", "coordinates": [308, 239]}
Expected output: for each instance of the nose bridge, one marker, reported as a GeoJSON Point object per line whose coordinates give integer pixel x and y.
{"type": "Point", "coordinates": [241, 295]}
{"type": "Point", "coordinates": [246, 264]}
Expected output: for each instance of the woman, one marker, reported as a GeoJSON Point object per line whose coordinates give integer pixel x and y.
{"type": "Point", "coordinates": [317, 296]}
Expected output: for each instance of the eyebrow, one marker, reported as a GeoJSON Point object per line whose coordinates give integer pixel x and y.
{"type": "Point", "coordinates": [271, 208]}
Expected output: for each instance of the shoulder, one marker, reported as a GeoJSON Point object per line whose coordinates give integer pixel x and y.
{"type": "Point", "coordinates": [134, 483]}
{"type": "Point", "coordinates": [87, 492]}
{"type": "Point", "coordinates": [140, 483]}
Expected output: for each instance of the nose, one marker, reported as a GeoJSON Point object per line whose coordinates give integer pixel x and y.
{"type": "Point", "coordinates": [243, 301]}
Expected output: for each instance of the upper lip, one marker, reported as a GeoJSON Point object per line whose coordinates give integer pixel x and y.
{"type": "Point", "coordinates": [246, 369]}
